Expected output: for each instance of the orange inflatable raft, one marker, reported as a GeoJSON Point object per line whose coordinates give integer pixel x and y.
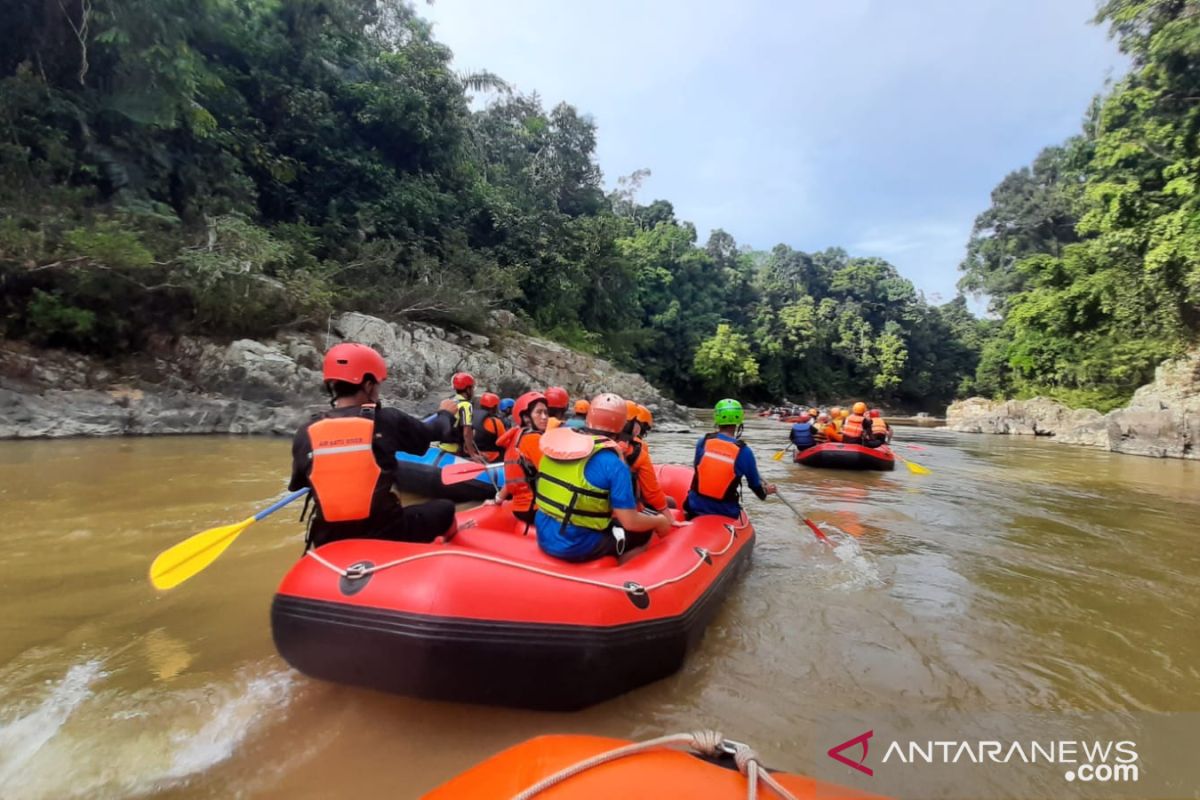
{"type": "Point", "coordinates": [489, 618]}
{"type": "Point", "coordinates": [710, 772]}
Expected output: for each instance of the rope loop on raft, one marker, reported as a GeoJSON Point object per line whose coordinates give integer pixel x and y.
{"type": "Point", "coordinates": [359, 571]}
{"type": "Point", "coordinates": [708, 743]}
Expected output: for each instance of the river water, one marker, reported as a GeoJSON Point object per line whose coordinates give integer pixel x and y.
{"type": "Point", "coordinates": [1018, 576]}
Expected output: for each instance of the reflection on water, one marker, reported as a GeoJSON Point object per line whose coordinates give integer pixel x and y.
{"type": "Point", "coordinates": [1018, 576]}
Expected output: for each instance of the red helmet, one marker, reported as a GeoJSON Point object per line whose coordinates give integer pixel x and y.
{"type": "Point", "coordinates": [805, 418]}
{"type": "Point", "coordinates": [874, 413]}
{"type": "Point", "coordinates": [524, 403]}
{"type": "Point", "coordinates": [353, 363]}
{"type": "Point", "coordinates": [462, 380]}
{"type": "Point", "coordinates": [607, 413]}
{"type": "Point", "coordinates": [489, 400]}
{"type": "Point", "coordinates": [556, 398]}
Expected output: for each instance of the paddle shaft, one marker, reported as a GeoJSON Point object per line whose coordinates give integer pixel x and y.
{"type": "Point", "coordinates": [266, 512]}
{"type": "Point", "coordinates": [820, 534]}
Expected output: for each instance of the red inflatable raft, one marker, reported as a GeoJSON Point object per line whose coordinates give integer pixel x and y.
{"type": "Point", "coordinates": [645, 774]}
{"type": "Point", "coordinates": [489, 618]}
{"type": "Point", "coordinates": [836, 455]}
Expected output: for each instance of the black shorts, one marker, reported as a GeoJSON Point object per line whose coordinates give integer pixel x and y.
{"type": "Point", "coordinates": [422, 522]}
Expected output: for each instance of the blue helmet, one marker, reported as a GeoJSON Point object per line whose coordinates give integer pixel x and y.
{"type": "Point", "coordinates": [506, 405]}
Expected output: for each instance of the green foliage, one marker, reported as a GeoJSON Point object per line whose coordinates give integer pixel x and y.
{"type": "Point", "coordinates": [230, 168]}
{"type": "Point", "coordinates": [725, 362]}
{"type": "Point", "coordinates": [1093, 256]}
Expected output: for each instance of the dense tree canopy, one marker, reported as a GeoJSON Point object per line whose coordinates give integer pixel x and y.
{"type": "Point", "coordinates": [1092, 257]}
{"type": "Point", "coordinates": [233, 166]}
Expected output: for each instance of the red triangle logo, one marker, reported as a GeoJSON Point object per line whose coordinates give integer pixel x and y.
{"type": "Point", "coordinates": [835, 752]}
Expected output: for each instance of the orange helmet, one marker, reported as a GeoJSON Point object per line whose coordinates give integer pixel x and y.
{"type": "Point", "coordinates": [462, 380]}
{"type": "Point", "coordinates": [582, 406]}
{"type": "Point", "coordinates": [630, 410]}
{"type": "Point", "coordinates": [607, 413]}
{"type": "Point", "coordinates": [556, 398]}
{"type": "Point", "coordinates": [353, 363]}
{"type": "Point", "coordinates": [644, 416]}
{"type": "Point", "coordinates": [845, 412]}
{"type": "Point", "coordinates": [835, 412]}
{"type": "Point", "coordinates": [860, 407]}
{"type": "Point", "coordinates": [489, 400]}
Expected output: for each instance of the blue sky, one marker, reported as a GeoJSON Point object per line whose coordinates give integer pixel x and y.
{"type": "Point", "coordinates": [877, 126]}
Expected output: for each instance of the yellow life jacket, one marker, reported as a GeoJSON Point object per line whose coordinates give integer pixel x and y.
{"type": "Point", "coordinates": [564, 494]}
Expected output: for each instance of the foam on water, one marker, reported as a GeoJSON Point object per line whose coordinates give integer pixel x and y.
{"type": "Point", "coordinates": [85, 739]}
{"type": "Point", "coordinates": [24, 736]}
{"type": "Point", "coordinates": [852, 569]}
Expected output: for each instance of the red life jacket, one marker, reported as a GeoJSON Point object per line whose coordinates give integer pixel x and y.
{"type": "Point", "coordinates": [342, 469]}
{"type": "Point", "coordinates": [715, 476]}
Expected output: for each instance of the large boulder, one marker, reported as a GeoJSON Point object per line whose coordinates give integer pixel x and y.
{"type": "Point", "coordinates": [195, 385]}
{"type": "Point", "coordinates": [1162, 419]}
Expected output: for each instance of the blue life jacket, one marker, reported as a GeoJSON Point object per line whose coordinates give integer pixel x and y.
{"type": "Point", "coordinates": [802, 435]}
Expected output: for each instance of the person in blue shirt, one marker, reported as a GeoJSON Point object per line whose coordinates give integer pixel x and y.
{"type": "Point", "coordinates": [722, 460]}
{"type": "Point", "coordinates": [583, 485]}
{"type": "Point", "coordinates": [803, 436]}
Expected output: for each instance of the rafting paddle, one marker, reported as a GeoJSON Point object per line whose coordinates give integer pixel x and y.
{"type": "Point", "coordinates": [779, 456]}
{"type": "Point", "coordinates": [458, 473]}
{"type": "Point", "coordinates": [175, 565]}
{"type": "Point", "coordinates": [812, 525]}
{"type": "Point", "coordinates": [913, 467]}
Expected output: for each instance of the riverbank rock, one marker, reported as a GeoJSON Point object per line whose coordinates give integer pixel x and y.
{"type": "Point", "coordinates": [193, 385]}
{"type": "Point", "coordinates": [1162, 420]}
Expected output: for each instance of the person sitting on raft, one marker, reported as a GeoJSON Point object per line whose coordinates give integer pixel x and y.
{"type": "Point", "coordinates": [579, 418]}
{"type": "Point", "coordinates": [462, 430]}
{"type": "Point", "coordinates": [637, 455]}
{"type": "Point", "coordinates": [347, 456]}
{"type": "Point", "coordinates": [853, 426]}
{"type": "Point", "coordinates": [877, 431]}
{"type": "Point", "coordinates": [584, 486]}
{"type": "Point", "coordinates": [803, 435]}
{"type": "Point", "coordinates": [523, 454]}
{"type": "Point", "coordinates": [827, 429]}
{"type": "Point", "coordinates": [506, 406]}
{"type": "Point", "coordinates": [557, 401]}
{"type": "Point", "coordinates": [489, 428]}
{"type": "Point", "coordinates": [722, 460]}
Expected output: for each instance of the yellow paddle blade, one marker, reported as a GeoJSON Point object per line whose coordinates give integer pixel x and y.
{"type": "Point", "coordinates": [176, 564]}
{"type": "Point", "coordinates": [916, 469]}
{"type": "Point", "coordinates": [778, 456]}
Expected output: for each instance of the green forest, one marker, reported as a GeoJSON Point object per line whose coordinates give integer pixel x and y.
{"type": "Point", "coordinates": [234, 167]}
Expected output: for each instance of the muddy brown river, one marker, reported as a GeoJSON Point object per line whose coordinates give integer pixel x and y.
{"type": "Point", "coordinates": [1019, 576]}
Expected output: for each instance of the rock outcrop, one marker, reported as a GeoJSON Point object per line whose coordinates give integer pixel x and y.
{"type": "Point", "coordinates": [1162, 420]}
{"type": "Point", "coordinates": [202, 386]}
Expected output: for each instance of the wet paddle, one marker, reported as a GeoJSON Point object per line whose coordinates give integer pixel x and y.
{"type": "Point", "coordinates": [820, 534]}
{"type": "Point", "coordinates": [779, 456]}
{"type": "Point", "coordinates": [913, 467]}
{"type": "Point", "coordinates": [176, 564]}
{"type": "Point", "coordinates": [459, 473]}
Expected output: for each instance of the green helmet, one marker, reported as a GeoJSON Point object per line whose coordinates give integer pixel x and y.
{"type": "Point", "coordinates": [728, 412]}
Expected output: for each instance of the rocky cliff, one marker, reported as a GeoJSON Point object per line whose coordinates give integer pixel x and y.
{"type": "Point", "coordinates": [201, 386]}
{"type": "Point", "coordinates": [1162, 419]}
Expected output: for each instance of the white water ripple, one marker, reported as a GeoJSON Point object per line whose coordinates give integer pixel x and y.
{"type": "Point", "coordinates": [84, 741]}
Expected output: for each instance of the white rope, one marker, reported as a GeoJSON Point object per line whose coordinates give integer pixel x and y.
{"type": "Point", "coordinates": [706, 743]}
{"type": "Point", "coordinates": [355, 573]}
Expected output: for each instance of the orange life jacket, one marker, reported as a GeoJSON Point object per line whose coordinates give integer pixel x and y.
{"type": "Point", "coordinates": [645, 483]}
{"type": "Point", "coordinates": [831, 433]}
{"type": "Point", "coordinates": [715, 476]}
{"type": "Point", "coordinates": [852, 428]}
{"type": "Point", "coordinates": [342, 469]}
{"type": "Point", "coordinates": [521, 459]}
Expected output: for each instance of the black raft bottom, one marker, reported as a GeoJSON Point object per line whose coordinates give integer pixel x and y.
{"type": "Point", "coordinates": [543, 667]}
